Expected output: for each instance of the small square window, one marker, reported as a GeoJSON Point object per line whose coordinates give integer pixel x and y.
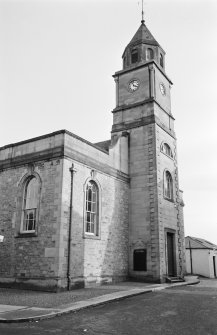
{"type": "Point", "coordinates": [139, 260]}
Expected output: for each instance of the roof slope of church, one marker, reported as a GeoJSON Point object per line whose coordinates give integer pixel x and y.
{"type": "Point", "coordinates": [198, 243]}
{"type": "Point", "coordinates": [143, 35]}
{"type": "Point", "coordinates": [103, 145]}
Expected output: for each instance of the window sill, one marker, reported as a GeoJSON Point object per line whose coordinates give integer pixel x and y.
{"type": "Point", "coordinates": [91, 236]}
{"type": "Point", "coordinates": [167, 155]}
{"type": "Point", "coordinates": [168, 199]}
{"type": "Point", "coordinates": [23, 235]}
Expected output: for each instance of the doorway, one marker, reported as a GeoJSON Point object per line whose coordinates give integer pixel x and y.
{"type": "Point", "coordinates": [214, 266]}
{"type": "Point", "coordinates": [171, 255]}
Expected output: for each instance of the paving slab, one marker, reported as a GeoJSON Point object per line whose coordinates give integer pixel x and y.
{"type": "Point", "coordinates": [28, 314]}
{"type": "Point", "coordinates": [24, 313]}
{"type": "Point", "coordinates": [9, 308]}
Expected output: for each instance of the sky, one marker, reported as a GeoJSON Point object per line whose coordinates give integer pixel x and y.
{"type": "Point", "coordinates": [57, 59]}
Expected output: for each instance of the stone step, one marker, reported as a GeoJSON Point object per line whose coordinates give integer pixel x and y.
{"type": "Point", "coordinates": [174, 279]}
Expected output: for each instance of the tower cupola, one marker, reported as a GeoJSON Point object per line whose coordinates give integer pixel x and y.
{"type": "Point", "coordinates": [143, 48]}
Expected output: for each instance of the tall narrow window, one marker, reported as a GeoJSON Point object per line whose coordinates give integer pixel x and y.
{"type": "Point", "coordinates": [92, 209]}
{"type": "Point", "coordinates": [30, 206]}
{"type": "Point", "coordinates": [134, 56]}
{"type": "Point", "coordinates": [149, 54]}
{"type": "Point", "coordinates": [168, 185]}
{"type": "Point", "coordinates": [161, 60]}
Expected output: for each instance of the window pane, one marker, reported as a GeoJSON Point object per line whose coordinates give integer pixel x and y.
{"type": "Point", "coordinates": [89, 192]}
{"type": "Point", "coordinates": [88, 227]}
{"type": "Point", "coordinates": [92, 228]}
{"type": "Point", "coordinates": [94, 196]}
{"type": "Point", "coordinates": [88, 217]}
{"type": "Point", "coordinates": [89, 206]}
{"type": "Point", "coordinates": [31, 225]}
{"type": "Point", "coordinates": [93, 218]}
{"type": "Point", "coordinates": [93, 207]}
{"type": "Point", "coordinates": [168, 185]}
{"type": "Point", "coordinates": [29, 220]}
{"type": "Point", "coordinates": [31, 194]}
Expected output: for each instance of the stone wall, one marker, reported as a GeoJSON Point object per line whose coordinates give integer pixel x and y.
{"type": "Point", "coordinates": [143, 201]}
{"type": "Point", "coordinates": [25, 258]}
{"type": "Point", "coordinates": [151, 215]}
{"type": "Point", "coordinates": [105, 257]}
{"type": "Point", "coordinates": [170, 212]}
{"type": "Point", "coordinates": [40, 260]}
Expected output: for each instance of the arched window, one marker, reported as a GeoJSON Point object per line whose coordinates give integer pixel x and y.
{"type": "Point", "coordinates": [30, 205]}
{"type": "Point", "coordinates": [165, 148]}
{"type": "Point", "coordinates": [161, 60]}
{"type": "Point", "coordinates": [168, 185]}
{"type": "Point", "coordinates": [92, 209]}
{"type": "Point", "coordinates": [149, 54]}
{"type": "Point", "coordinates": [134, 56]}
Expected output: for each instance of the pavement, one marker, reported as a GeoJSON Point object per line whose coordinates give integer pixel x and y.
{"type": "Point", "coordinates": [40, 305]}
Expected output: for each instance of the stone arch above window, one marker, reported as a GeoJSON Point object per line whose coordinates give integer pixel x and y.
{"type": "Point", "coordinates": [165, 148]}
{"type": "Point", "coordinates": [149, 54]}
{"type": "Point", "coordinates": [30, 204]}
{"type": "Point", "coordinates": [92, 209]}
{"type": "Point", "coordinates": [168, 185]}
{"type": "Point", "coordinates": [134, 55]}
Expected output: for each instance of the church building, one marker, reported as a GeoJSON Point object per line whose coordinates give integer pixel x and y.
{"type": "Point", "coordinates": [75, 214]}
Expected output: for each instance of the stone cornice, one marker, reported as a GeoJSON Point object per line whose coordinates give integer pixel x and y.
{"type": "Point", "coordinates": [60, 152]}
{"type": "Point", "coordinates": [91, 162]}
{"type": "Point", "coordinates": [58, 132]}
{"type": "Point", "coordinates": [136, 104]}
{"type": "Point", "coordinates": [142, 122]}
{"type": "Point", "coordinates": [33, 157]}
{"type": "Point", "coordinates": [135, 67]}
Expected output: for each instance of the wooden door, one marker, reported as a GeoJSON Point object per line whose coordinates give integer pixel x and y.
{"type": "Point", "coordinates": [214, 267]}
{"type": "Point", "coordinates": [170, 254]}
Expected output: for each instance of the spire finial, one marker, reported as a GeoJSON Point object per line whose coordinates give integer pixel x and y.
{"type": "Point", "coordinates": [143, 21]}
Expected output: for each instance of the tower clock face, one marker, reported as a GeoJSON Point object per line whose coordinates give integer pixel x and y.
{"type": "Point", "coordinates": [133, 85]}
{"type": "Point", "coordinates": [162, 89]}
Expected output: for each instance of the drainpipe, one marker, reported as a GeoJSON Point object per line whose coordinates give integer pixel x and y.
{"type": "Point", "coordinates": [191, 257]}
{"type": "Point", "coordinates": [72, 171]}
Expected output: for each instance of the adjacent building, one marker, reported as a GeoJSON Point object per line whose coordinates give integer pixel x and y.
{"type": "Point", "coordinates": [201, 257]}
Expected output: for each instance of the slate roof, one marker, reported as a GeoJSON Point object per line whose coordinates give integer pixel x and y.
{"type": "Point", "coordinates": [103, 145]}
{"type": "Point", "coordinates": [198, 243]}
{"type": "Point", "coordinates": [143, 35]}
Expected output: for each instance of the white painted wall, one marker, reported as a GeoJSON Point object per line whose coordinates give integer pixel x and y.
{"type": "Point", "coordinates": [202, 262]}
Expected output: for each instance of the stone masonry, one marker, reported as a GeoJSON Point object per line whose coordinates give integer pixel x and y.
{"type": "Point", "coordinates": [137, 227]}
{"type": "Point", "coordinates": [40, 261]}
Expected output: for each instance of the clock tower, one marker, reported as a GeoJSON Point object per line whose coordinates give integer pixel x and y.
{"type": "Point", "coordinates": [143, 112]}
